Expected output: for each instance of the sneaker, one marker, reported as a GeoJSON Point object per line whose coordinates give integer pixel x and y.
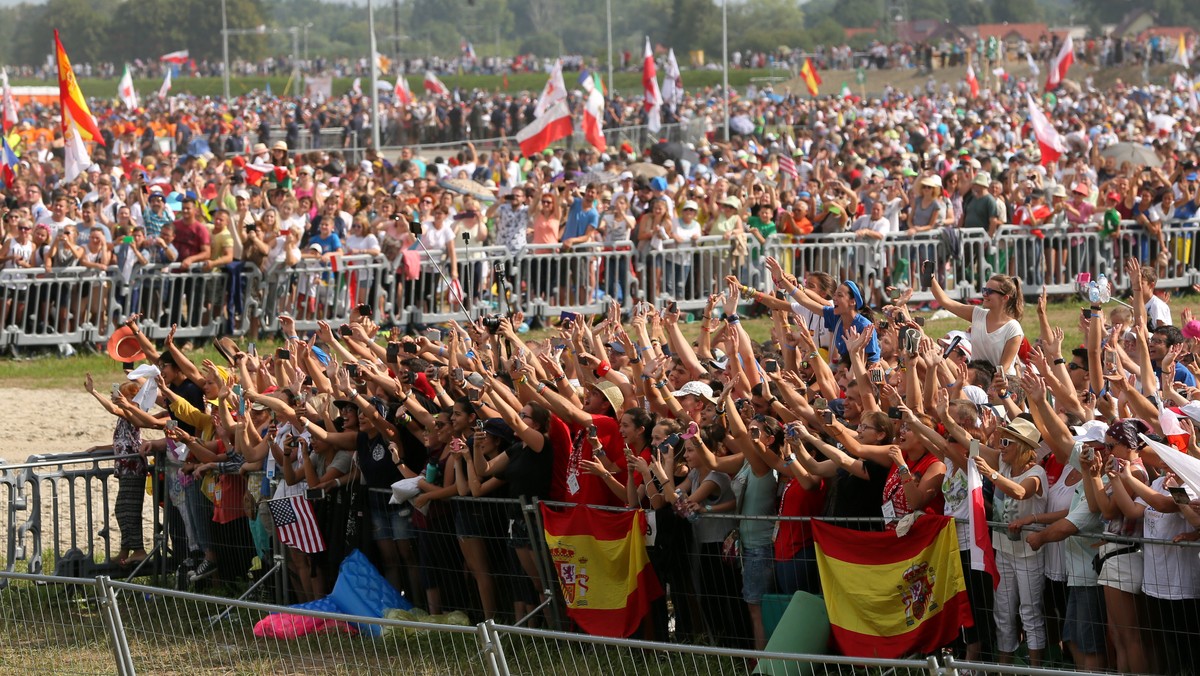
{"type": "Point", "coordinates": [206, 569]}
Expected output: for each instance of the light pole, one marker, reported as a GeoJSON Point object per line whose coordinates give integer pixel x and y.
{"type": "Point", "coordinates": [608, 9]}
{"type": "Point", "coordinates": [374, 78]}
{"type": "Point", "coordinates": [225, 51]}
{"type": "Point", "coordinates": [725, 63]}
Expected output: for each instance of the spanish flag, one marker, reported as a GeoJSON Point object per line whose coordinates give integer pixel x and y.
{"type": "Point", "coordinates": [602, 567]}
{"type": "Point", "coordinates": [74, 106]}
{"type": "Point", "coordinates": [811, 79]}
{"type": "Point", "coordinates": [890, 597]}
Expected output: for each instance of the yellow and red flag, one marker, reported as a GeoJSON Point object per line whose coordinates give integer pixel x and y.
{"type": "Point", "coordinates": [602, 566]}
{"type": "Point", "coordinates": [74, 106]}
{"type": "Point", "coordinates": [812, 79]}
{"type": "Point", "coordinates": [890, 597]}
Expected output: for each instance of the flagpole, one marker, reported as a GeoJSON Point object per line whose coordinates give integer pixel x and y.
{"type": "Point", "coordinates": [725, 64]}
{"type": "Point", "coordinates": [225, 52]}
{"type": "Point", "coordinates": [374, 78]}
{"type": "Point", "coordinates": [608, 9]}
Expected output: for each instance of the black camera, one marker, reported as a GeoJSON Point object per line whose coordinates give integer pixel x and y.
{"type": "Point", "coordinates": [492, 323]}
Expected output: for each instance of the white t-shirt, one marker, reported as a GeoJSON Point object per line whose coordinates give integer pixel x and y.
{"type": "Point", "coordinates": [359, 244]}
{"type": "Point", "coordinates": [1158, 311]}
{"type": "Point", "coordinates": [1168, 572]}
{"type": "Point", "coordinates": [990, 346]}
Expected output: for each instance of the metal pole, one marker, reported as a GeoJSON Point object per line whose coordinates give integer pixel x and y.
{"type": "Point", "coordinates": [374, 78]}
{"type": "Point", "coordinates": [295, 30]}
{"type": "Point", "coordinates": [608, 10]}
{"type": "Point", "coordinates": [725, 64]}
{"type": "Point", "coordinates": [225, 50]}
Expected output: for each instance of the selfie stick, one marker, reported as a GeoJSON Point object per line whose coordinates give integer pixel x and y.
{"type": "Point", "coordinates": [416, 228]}
{"type": "Point", "coordinates": [468, 269]}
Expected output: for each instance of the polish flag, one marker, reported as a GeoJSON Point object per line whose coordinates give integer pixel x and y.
{"type": "Point", "coordinates": [554, 91]}
{"type": "Point", "coordinates": [983, 557]}
{"type": "Point", "coordinates": [593, 120]}
{"type": "Point", "coordinates": [546, 129]}
{"type": "Point", "coordinates": [403, 94]}
{"type": "Point", "coordinates": [652, 97]}
{"type": "Point", "coordinates": [179, 57]}
{"type": "Point", "coordinates": [435, 86]}
{"type": "Point", "coordinates": [972, 82]}
{"type": "Point", "coordinates": [256, 170]}
{"type": "Point", "coordinates": [8, 104]}
{"type": "Point", "coordinates": [1047, 136]}
{"type": "Point", "coordinates": [1058, 69]}
{"type": "Point", "coordinates": [166, 86]}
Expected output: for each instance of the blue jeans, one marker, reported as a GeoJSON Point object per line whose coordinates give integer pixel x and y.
{"type": "Point", "coordinates": [616, 276]}
{"type": "Point", "coordinates": [675, 278]}
{"type": "Point", "coordinates": [798, 573]}
{"type": "Point", "coordinates": [198, 511]}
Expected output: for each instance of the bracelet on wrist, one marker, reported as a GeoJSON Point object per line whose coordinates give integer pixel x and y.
{"type": "Point", "coordinates": [602, 369]}
{"type": "Point", "coordinates": [660, 384]}
{"type": "Point", "coordinates": [539, 388]}
{"type": "Point", "coordinates": [635, 361]}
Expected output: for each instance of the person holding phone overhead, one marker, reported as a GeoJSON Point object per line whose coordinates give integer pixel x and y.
{"type": "Point", "coordinates": [996, 333]}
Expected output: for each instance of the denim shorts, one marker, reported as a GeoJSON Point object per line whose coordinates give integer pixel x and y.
{"type": "Point", "coordinates": [390, 522]}
{"type": "Point", "coordinates": [758, 573]}
{"type": "Point", "coordinates": [1085, 620]}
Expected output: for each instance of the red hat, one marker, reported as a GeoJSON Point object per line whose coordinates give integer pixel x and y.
{"type": "Point", "coordinates": [123, 346]}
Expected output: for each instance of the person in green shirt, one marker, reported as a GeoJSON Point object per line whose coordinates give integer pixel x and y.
{"type": "Point", "coordinates": [762, 222]}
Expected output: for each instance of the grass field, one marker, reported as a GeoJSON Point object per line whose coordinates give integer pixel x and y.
{"type": "Point", "coordinates": [53, 372]}
{"type": "Point", "coordinates": [624, 82]}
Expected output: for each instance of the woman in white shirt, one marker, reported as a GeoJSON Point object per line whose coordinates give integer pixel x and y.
{"type": "Point", "coordinates": [438, 238]}
{"type": "Point", "coordinates": [996, 332]}
{"type": "Point", "coordinates": [678, 268]}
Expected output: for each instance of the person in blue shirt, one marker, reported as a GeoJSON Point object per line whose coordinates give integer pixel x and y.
{"type": "Point", "coordinates": [846, 311]}
{"type": "Point", "coordinates": [582, 219]}
{"type": "Point", "coordinates": [1163, 339]}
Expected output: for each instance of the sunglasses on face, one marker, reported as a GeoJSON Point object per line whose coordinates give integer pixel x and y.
{"type": "Point", "coordinates": [1075, 367]}
{"type": "Point", "coordinates": [1005, 442]}
{"type": "Point", "coordinates": [987, 291]}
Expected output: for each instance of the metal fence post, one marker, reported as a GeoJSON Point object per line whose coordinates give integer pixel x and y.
{"type": "Point", "coordinates": [497, 660]}
{"type": "Point", "coordinates": [934, 668]}
{"type": "Point", "coordinates": [545, 565]}
{"type": "Point", "coordinates": [116, 629]}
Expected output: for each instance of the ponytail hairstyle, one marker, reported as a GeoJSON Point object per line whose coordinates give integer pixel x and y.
{"type": "Point", "coordinates": [1011, 287]}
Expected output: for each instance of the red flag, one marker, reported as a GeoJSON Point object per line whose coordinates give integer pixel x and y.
{"type": "Point", "coordinates": [788, 166]}
{"type": "Point", "coordinates": [812, 81]}
{"type": "Point", "coordinates": [983, 557]}
{"type": "Point", "coordinates": [593, 120]}
{"type": "Point", "coordinates": [546, 129]}
{"type": "Point", "coordinates": [435, 86]}
{"type": "Point", "coordinates": [1058, 69]}
{"type": "Point", "coordinates": [1048, 139]}
{"type": "Point", "coordinates": [256, 171]}
{"type": "Point", "coordinates": [180, 57]}
{"type": "Point", "coordinates": [601, 562]}
{"type": "Point", "coordinates": [403, 94]}
{"type": "Point", "coordinates": [651, 97]}
{"type": "Point", "coordinates": [295, 524]}
{"type": "Point", "coordinates": [972, 81]}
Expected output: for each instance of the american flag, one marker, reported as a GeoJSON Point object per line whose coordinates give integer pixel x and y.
{"type": "Point", "coordinates": [788, 166]}
{"type": "Point", "coordinates": [296, 525]}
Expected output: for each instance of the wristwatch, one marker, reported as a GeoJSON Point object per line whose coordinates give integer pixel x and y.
{"type": "Point", "coordinates": [995, 475]}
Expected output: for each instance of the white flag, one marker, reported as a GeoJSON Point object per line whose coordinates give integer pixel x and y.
{"type": "Point", "coordinates": [125, 90]}
{"type": "Point", "coordinates": [672, 85]}
{"type": "Point", "coordinates": [554, 91]}
{"type": "Point", "coordinates": [75, 155]}
{"type": "Point", "coordinates": [1033, 67]}
{"type": "Point", "coordinates": [166, 86]}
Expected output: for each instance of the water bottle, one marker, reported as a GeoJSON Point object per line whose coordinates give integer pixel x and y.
{"type": "Point", "coordinates": [431, 471]}
{"type": "Point", "coordinates": [1093, 292]}
{"type": "Point", "coordinates": [1105, 290]}
{"type": "Point", "coordinates": [950, 281]}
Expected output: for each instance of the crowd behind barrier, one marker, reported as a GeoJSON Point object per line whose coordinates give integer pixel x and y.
{"type": "Point", "coordinates": [78, 306]}
{"type": "Point", "coordinates": [60, 521]}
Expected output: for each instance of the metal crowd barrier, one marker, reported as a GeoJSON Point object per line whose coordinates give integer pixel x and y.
{"type": "Point", "coordinates": [315, 290]}
{"type": "Point", "coordinates": [688, 273]}
{"type": "Point", "coordinates": [43, 309]}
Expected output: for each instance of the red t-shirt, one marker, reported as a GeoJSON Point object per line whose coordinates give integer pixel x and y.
{"type": "Point", "coordinates": [571, 481]}
{"type": "Point", "coordinates": [797, 501]}
{"type": "Point", "coordinates": [190, 238]}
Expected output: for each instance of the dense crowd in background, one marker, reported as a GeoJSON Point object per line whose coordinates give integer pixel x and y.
{"type": "Point", "coordinates": [848, 409]}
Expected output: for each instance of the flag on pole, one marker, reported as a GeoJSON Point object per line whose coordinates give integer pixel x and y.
{"type": "Point", "coordinates": [811, 79]}
{"type": "Point", "coordinates": [8, 103]}
{"type": "Point", "coordinates": [891, 596]}
{"type": "Point", "coordinates": [672, 86]}
{"type": "Point", "coordinates": [356, 86]}
{"type": "Point", "coordinates": [125, 90]}
{"type": "Point", "coordinates": [178, 58]}
{"type": "Point", "coordinates": [1033, 67]}
{"type": "Point", "coordinates": [435, 86]}
{"type": "Point", "coordinates": [983, 557]}
{"type": "Point", "coordinates": [845, 93]}
{"type": "Point", "coordinates": [8, 163]}
{"type": "Point", "coordinates": [78, 125]}
{"type": "Point", "coordinates": [593, 120]}
{"type": "Point", "coordinates": [1181, 54]}
{"type": "Point", "coordinates": [788, 166]}
{"type": "Point", "coordinates": [602, 567]}
{"type": "Point", "coordinates": [382, 63]}
{"type": "Point", "coordinates": [545, 129]}
{"type": "Point", "coordinates": [166, 86]}
{"type": "Point", "coordinates": [1062, 62]}
{"type": "Point", "coordinates": [652, 99]}
{"type": "Point", "coordinates": [1048, 138]}
{"type": "Point", "coordinates": [296, 524]}
{"type": "Point", "coordinates": [972, 81]}
{"type": "Point", "coordinates": [402, 93]}
{"type": "Point", "coordinates": [554, 91]}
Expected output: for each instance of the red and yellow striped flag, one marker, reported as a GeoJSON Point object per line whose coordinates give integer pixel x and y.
{"type": "Point", "coordinates": [74, 106]}
{"type": "Point", "coordinates": [812, 80]}
{"type": "Point", "coordinates": [890, 597]}
{"type": "Point", "coordinates": [602, 567]}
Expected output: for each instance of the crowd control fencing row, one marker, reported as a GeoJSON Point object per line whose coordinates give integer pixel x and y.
{"type": "Point", "coordinates": [102, 626]}
{"type": "Point", "coordinates": [485, 559]}
{"type": "Point", "coordinates": [76, 307]}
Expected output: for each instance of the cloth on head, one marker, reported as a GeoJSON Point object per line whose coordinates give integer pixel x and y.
{"type": "Point", "coordinates": [1126, 432]}
{"type": "Point", "coordinates": [854, 290]}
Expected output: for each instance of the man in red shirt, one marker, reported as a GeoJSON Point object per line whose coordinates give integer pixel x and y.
{"type": "Point", "coordinates": [571, 482]}
{"type": "Point", "coordinates": [193, 241]}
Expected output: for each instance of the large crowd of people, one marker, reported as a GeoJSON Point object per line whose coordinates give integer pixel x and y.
{"type": "Point", "coordinates": [850, 409]}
